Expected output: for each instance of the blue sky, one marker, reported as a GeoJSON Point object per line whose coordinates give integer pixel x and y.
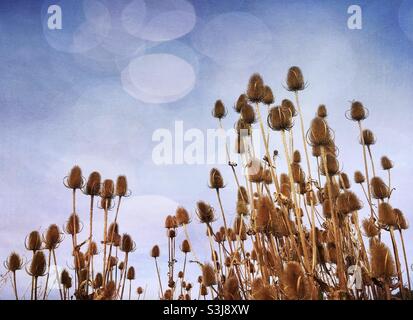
{"type": "Point", "coordinates": [93, 93]}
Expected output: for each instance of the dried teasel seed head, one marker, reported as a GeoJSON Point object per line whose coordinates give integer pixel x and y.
{"type": "Point", "coordinates": [109, 291]}
{"type": "Point", "coordinates": [333, 166]}
{"type": "Point", "coordinates": [359, 177]}
{"type": "Point", "coordinates": [155, 252]}
{"type": "Point", "coordinates": [139, 290]}
{"type": "Point", "coordinates": [297, 173]}
{"type": "Point", "coordinates": [231, 289]}
{"type": "Point", "coordinates": [185, 247]}
{"type": "Point", "coordinates": [242, 194]}
{"type": "Point", "coordinates": [78, 260]}
{"type": "Point", "coordinates": [402, 223]}
{"type": "Point", "coordinates": [205, 212]}
{"type": "Point", "coordinates": [92, 249]}
{"type": "Point", "coordinates": [267, 177]}
{"type": "Point", "coordinates": [106, 203]}
{"type": "Point", "coordinates": [97, 283]}
{"type": "Point", "coordinates": [386, 163]}
{"type": "Point", "coordinates": [280, 119]}
{"type": "Point", "coordinates": [284, 178]}
{"type": "Point", "coordinates": [75, 180]}
{"type": "Point", "coordinates": [357, 111]}
{"type": "Point", "coordinates": [347, 202]}
{"type": "Point", "coordinates": [14, 262]}
{"type": "Point", "coordinates": [65, 279]}
{"type": "Point", "coordinates": [316, 151]}
{"type": "Point", "coordinates": [131, 273]}
{"type": "Point", "coordinates": [287, 105]}
{"type": "Point", "coordinates": [264, 208]}
{"type": "Point", "coordinates": [255, 90]}
{"type": "Point", "coordinates": [294, 282]}
{"type": "Point", "coordinates": [121, 265]}
{"type": "Point", "coordinates": [327, 209]}
{"type": "Point", "coordinates": [379, 189]}
{"type": "Point", "coordinates": [344, 181]}
{"type": "Point", "coordinates": [38, 265]}
{"type": "Point", "coordinates": [219, 110]}
{"type": "Point", "coordinates": [285, 190]}
{"type": "Point", "coordinates": [127, 244]}
{"type": "Point", "coordinates": [73, 224]}
{"type": "Point", "coordinates": [248, 114]}
{"type": "Point", "coordinates": [268, 97]}
{"type": "Point", "coordinates": [382, 263]}
{"type": "Point", "coordinates": [171, 233]}
{"type": "Point", "coordinates": [367, 137]}
{"type": "Point", "coordinates": [243, 128]}
{"type": "Point", "coordinates": [170, 222]}
{"type": "Point", "coordinates": [112, 230]}
{"type": "Point", "coordinates": [296, 156]}
{"type": "Point", "coordinates": [93, 184]}
{"type": "Point", "coordinates": [182, 216]}
{"type": "Point", "coordinates": [241, 102]}
{"type": "Point", "coordinates": [295, 79]}
{"type": "Point", "coordinates": [167, 294]}
{"type": "Point", "coordinates": [242, 208]}
{"type": "Point", "coordinates": [108, 189]}
{"type": "Point", "coordinates": [181, 275]}
{"type": "Point", "coordinates": [188, 286]}
{"type": "Point", "coordinates": [370, 228]}
{"type": "Point", "coordinates": [322, 111]}
{"type": "Point", "coordinates": [208, 275]}
{"type": "Point", "coordinates": [319, 133]}
{"type": "Point", "coordinates": [386, 214]}
{"type": "Point", "coordinates": [52, 237]}
{"type": "Point", "coordinates": [262, 291]}
{"type": "Point", "coordinates": [121, 186]}
{"type": "Point", "coordinates": [203, 290]}
{"type": "Point", "coordinates": [216, 181]}
{"type": "Point", "coordinates": [34, 241]}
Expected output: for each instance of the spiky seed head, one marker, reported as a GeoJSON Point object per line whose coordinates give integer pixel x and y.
{"type": "Point", "coordinates": [203, 290]}
{"type": "Point", "coordinates": [108, 189]}
{"type": "Point", "coordinates": [139, 290]}
{"type": "Point", "coordinates": [379, 190]}
{"type": "Point", "coordinates": [231, 289]}
{"type": "Point", "coordinates": [53, 237]}
{"type": "Point", "coordinates": [127, 244]}
{"type": "Point", "coordinates": [386, 163]}
{"type": "Point", "coordinates": [73, 224]}
{"type": "Point", "coordinates": [34, 241]}
{"type": "Point", "coordinates": [255, 90]}
{"type": "Point", "coordinates": [319, 133]}
{"type": "Point", "coordinates": [75, 180]}
{"type": "Point", "coordinates": [97, 283]}
{"type": "Point", "coordinates": [368, 137]}
{"type": "Point", "coordinates": [287, 105]}
{"type": "Point", "coordinates": [295, 79]}
{"type": "Point", "coordinates": [386, 215]}
{"type": "Point", "coordinates": [264, 208]}
{"type": "Point", "coordinates": [78, 260]}
{"type": "Point", "coordinates": [333, 166]}
{"type": "Point", "coordinates": [370, 228]}
{"type": "Point", "coordinates": [131, 273]}
{"type": "Point", "coordinates": [93, 184]}
{"type": "Point", "coordinates": [357, 111]}
{"type": "Point", "coordinates": [170, 222]}
{"type": "Point", "coordinates": [297, 156]}
{"type": "Point", "coordinates": [121, 186]}
{"type": "Point", "coordinates": [316, 151]}
{"type": "Point", "coordinates": [267, 177]}
{"type": "Point", "coordinates": [113, 229]}
{"type": "Point", "coordinates": [121, 265]}
{"type": "Point", "coordinates": [208, 275]}
{"type": "Point", "coordinates": [402, 223]}
{"type": "Point", "coordinates": [241, 102]}
{"type": "Point", "coordinates": [14, 262]}
{"type": "Point", "coordinates": [347, 202]}
{"type": "Point", "coordinates": [109, 291]}
{"type": "Point", "coordinates": [322, 111]}
{"type": "Point", "coordinates": [280, 119]}
{"type": "Point", "coordinates": [182, 216]}
{"type": "Point", "coordinates": [294, 282]}
{"type": "Point", "coordinates": [243, 194]}
{"type": "Point", "coordinates": [268, 97]}
{"type": "Point", "coordinates": [327, 209]}
{"type": "Point", "coordinates": [255, 170]}
{"type": "Point", "coordinates": [219, 110]}
{"type": "Point", "coordinates": [359, 177]}
{"type": "Point", "coordinates": [297, 172]}
{"type": "Point", "coordinates": [155, 252]}
{"type": "Point", "coordinates": [205, 212]}
{"type": "Point", "coordinates": [65, 278]}
{"type": "Point", "coordinates": [248, 114]}
{"type": "Point", "coordinates": [216, 181]}
{"type": "Point", "coordinates": [344, 181]}
{"type": "Point", "coordinates": [382, 263]}
{"type": "Point", "coordinates": [38, 264]}
{"type": "Point", "coordinates": [171, 233]}
{"type": "Point", "coordinates": [185, 247]}
{"type": "Point", "coordinates": [92, 249]}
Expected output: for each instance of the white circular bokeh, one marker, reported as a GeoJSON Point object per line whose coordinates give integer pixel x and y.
{"type": "Point", "coordinates": [159, 20]}
{"type": "Point", "coordinates": [158, 78]}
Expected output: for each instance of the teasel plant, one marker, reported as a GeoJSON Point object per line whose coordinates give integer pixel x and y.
{"type": "Point", "coordinates": [13, 264]}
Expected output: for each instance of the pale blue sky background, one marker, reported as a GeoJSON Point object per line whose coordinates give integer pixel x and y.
{"type": "Point", "coordinates": [93, 93]}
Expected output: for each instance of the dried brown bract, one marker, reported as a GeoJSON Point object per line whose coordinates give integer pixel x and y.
{"type": "Point", "coordinates": [295, 79]}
